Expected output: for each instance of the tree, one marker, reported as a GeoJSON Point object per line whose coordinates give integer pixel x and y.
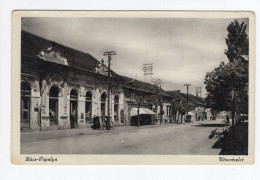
{"type": "Point", "coordinates": [173, 110]}
{"type": "Point", "coordinates": [222, 80]}
{"type": "Point", "coordinates": [157, 99]}
{"type": "Point", "coordinates": [237, 40]}
{"type": "Point", "coordinates": [139, 100]}
{"type": "Point", "coordinates": [180, 110]}
{"type": "Point", "coordinates": [227, 85]}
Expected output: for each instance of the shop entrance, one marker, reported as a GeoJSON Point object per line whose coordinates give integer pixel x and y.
{"type": "Point", "coordinates": [103, 105]}
{"type": "Point", "coordinates": [53, 105]}
{"type": "Point", "coordinates": [73, 108]}
{"type": "Point", "coordinates": [25, 104]}
{"type": "Point", "coordinates": [88, 108]}
{"type": "Point", "coordinates": [116, 102]}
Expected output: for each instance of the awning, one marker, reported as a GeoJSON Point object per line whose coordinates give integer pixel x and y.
{"type": "Point", "coordinates": [141, 111]}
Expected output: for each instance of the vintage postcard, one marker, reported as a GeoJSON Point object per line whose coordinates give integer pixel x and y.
{"type": "Point", "coordinates": [133, 87]}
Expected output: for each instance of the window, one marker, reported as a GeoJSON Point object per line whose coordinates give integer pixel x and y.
{"type": "Point", "coordinates": [132, 97]}
{"type": "Point", "coordinates": [25, 89]}
{"type": "Point", "coordinates": [116, 101]}
{"type": "Point", "coordinates": [145, 99]}
{"type": "Point", "coordinates": [88, 107]}
{"type": "Point", "coordinates": [103, 105]}
{"type": "Point", "coordinates": [73, 94]}
{"type": "Point", "coordinates": [168, 110]}
{"type": "Point", "coordinates": [88, 96]}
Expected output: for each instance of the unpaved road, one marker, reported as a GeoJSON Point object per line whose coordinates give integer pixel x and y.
{"type": "Point", "coordinates": [185, 139]}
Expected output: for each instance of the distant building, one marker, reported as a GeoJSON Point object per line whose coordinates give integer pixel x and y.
{"type": "Point", "coordinates": [196, 105]}
{"type": "Point", "coordinates": [145, 96]}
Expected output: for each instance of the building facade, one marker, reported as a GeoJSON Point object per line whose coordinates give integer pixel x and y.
{"type": "Point", "coordinates": [58, 94]}
{"type": "Point", "coordinates": [65, 88]}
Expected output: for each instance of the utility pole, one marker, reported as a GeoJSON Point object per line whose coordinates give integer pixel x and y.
{"type": "Point", "coordinates": [187, 85]}
{"type": "Point", "coordinates": [148, 70]}
{"type": "Point", "coordinates": [198, 91]}
{"type": "Point", "coordinates": [40, 103]}
{"type": "Point", "coordinates": [109, 54]}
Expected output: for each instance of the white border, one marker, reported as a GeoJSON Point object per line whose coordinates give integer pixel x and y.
{"type": "Point", "coordinates": [9, 171]}
{"type": "Point", "coordinates": [125, 159]}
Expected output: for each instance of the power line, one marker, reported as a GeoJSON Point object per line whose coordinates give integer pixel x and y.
{"type": "Point", "coordinates": [148, 70]}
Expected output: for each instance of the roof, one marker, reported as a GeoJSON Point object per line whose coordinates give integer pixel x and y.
{"type": "Point", "coordinates": [176, 96]}
{"type": "Point", "coordinates": [193, 99]}
{"type": "Point", "coordinates": [200, 99]}
{"type": "Point", "coordinates": [38, 47]}
{"type": "Point", "coordinates": [142, 86]}
{"type": "Point", "coordinates": [32, 45]}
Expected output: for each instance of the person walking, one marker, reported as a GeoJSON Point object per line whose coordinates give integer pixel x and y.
{"type": "Point", "coordinates": [227, 118]}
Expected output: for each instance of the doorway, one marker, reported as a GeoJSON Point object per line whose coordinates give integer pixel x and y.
{"type": "Point", "coordinates": [25, 105]}
{"type": "Point", "coordinates": [73, 108]}
{"type": "Point", "coordinates": [116, 102]}
{"type": "Point", "coordinates": [53, 105]}
{"type": "Point", "coordinates": [103, 106]}
{"type": "Point", "coordinates": [25, 112]}
{"type": "Point", "coordinates": [88, 108]}
{"type": "Point", "coordinates": [122, 116]}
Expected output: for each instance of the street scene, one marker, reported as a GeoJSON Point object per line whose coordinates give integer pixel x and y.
{"type": "Point", "coordinates": [155, 86]}
{"type": "Point", "coordinates": [185, 139]}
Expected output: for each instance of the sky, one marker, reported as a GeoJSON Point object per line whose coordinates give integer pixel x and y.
{"type": "Point", "coordinates": [182, 50]}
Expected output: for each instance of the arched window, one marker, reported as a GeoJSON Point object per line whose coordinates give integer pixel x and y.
{"type": "Point", "coordinates": [73, 95]}
{"type": "Point", "coordinates": [88, 107]}
{"type": "Point", "coordinates": [103, 97]}
{"type": "Point", "coordinates": [116, 101]}
{"type": "Point", "coordinates": [54, 92]}
{"type": "Point", "coordinates": [53, 105]}
{"type": "Point", "coordinates": [88, 96]}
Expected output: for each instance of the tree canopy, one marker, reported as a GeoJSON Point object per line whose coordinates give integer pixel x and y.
{"type": "Point", "coordinates": [227, 84]}
{"type": "Point", "coordinates": [237, 40]}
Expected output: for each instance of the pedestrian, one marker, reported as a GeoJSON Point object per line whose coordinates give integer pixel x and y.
{"type": "Point", "coordinates": [227, 118]}
{"type": "Point", "coordinates": [93, 122]}
{"type": "Point", "coordinates": [96, 123]}
{"type": "Point", "coordinates": [73, 118]}
{"type": "Point", "coordinates": [99, 123]}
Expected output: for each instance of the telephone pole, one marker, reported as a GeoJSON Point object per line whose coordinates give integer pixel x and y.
{"type": "Point", "coordinates": [109, 54]}
{"type": "Point", "coordinates": [198, 91]}
{"type": "Point", "coordinates": [187, 85]}
{"type": "Point", "coordinates": [148, 70]}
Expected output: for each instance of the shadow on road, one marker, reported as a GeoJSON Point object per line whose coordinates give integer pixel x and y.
{"type": "Point", "coordinates": [210, 125]}
{"type": "Point", "coordinates": [235, 141]}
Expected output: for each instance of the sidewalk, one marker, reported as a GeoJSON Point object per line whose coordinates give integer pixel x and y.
{"type": "Point", "coordinates": [235, 142]}
{"type": "Point", "coordinates": [56, 134]}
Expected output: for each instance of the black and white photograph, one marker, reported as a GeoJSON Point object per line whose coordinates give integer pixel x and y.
{"type": "Point", "coordinates": [131, 84]}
